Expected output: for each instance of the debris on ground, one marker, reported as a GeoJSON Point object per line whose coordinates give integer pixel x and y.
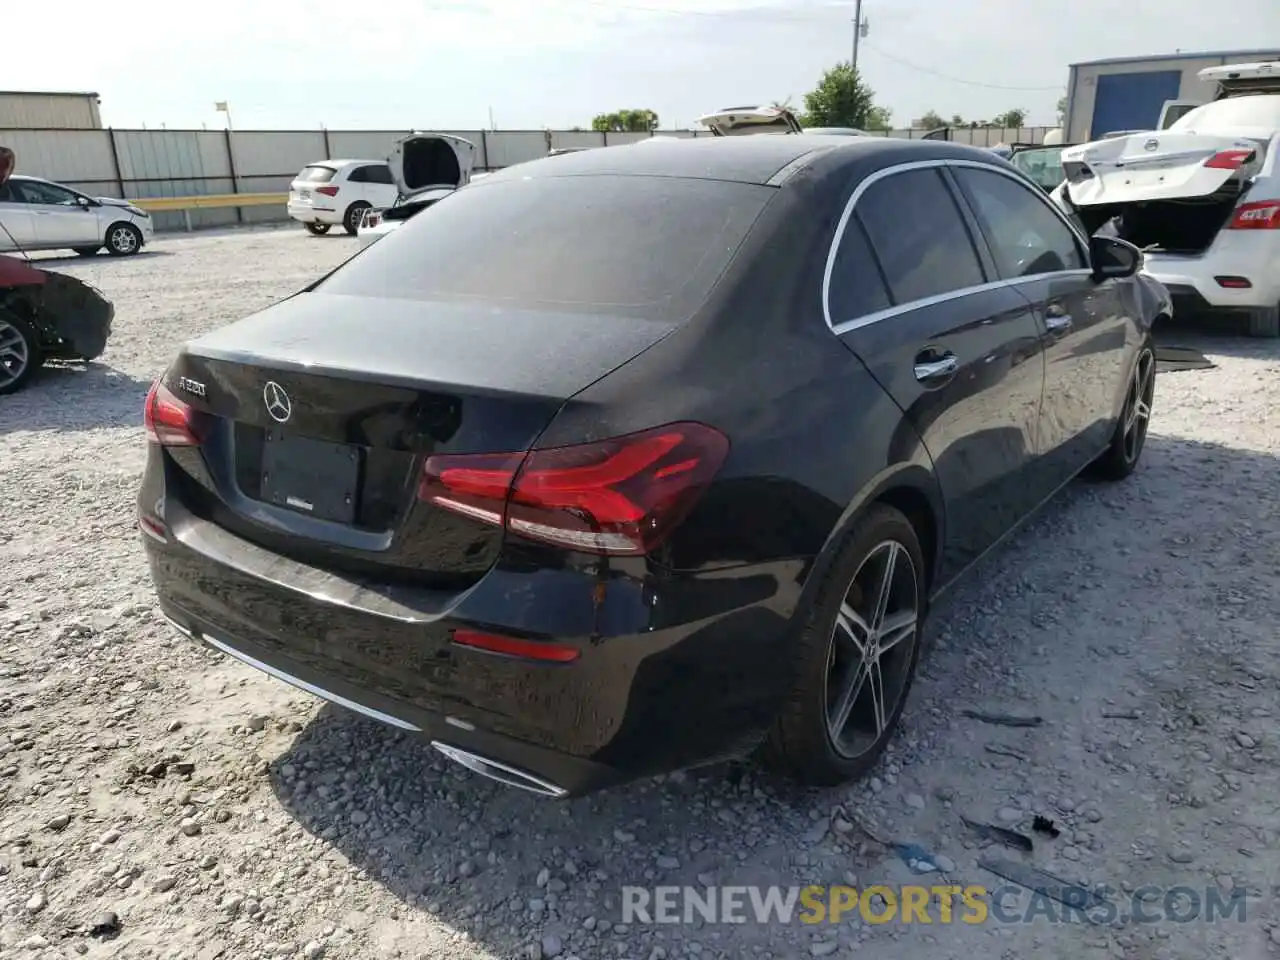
{"type": "Point", "coordinates": [1063, 891]}
{"type": "Point", "coordinates": [1010, 838]}
{"type": "Point", "coordinates": [1002, 719]}
{"type": "Point", "coordinates": [1046, 826]}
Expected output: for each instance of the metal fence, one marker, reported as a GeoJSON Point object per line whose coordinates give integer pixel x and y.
{"type": "Point", "coordinates": [179, 163]}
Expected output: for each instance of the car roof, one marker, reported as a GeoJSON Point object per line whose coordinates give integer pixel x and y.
{"type": "Point", "coordinates": [339, 164]}
{"type": "Point", "coordinates": [745, 159]}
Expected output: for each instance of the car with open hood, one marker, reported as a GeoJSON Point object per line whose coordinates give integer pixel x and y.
{"type": "Point", "coordinates": [1201, 198]}
{"type": "Point", "coordinates": [643, 458]}
{"type": "Point", "coordinates": [425, 167]}
{"type": "Point", "coordinates": [39, 214]}
{"type": "Point", "coordinates": [44, 315]}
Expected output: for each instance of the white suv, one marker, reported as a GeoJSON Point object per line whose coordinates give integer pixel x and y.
{"type": "Point", "coordinates": [1202, 198]}
{"type": "Point", "coordinates": [332, 192]}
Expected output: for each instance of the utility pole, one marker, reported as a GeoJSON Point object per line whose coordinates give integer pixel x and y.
{"type": "Point", "coordinates": [859, 30]}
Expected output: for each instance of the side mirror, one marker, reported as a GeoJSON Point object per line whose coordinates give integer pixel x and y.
{"type": "Point", "coordinates": [84, 202]}
{"type": "Point", "coordinates": [1113, 258]}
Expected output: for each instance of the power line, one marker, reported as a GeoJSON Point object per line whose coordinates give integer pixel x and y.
{"type": "Point", "coordinates": [946, 76]}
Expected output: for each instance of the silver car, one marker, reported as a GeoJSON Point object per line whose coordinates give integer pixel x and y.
{"type": "Point", "coordinates": [39, 214]}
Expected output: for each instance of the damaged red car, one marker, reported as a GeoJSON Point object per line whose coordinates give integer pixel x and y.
{"type": "Point", "coordinates": [44, 315]}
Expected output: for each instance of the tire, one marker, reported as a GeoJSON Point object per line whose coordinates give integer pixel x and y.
{"type": "Point", "coordinates": [123, 240]}
{"type": "Point", "coordinates": [20, 355]}
{"type": "Point", "coordinates": [1264, 322]}
{"type": "Point", "coordinates": [355, 213]}
{"type": "Point", "coordinates": [86, 251]}
{"type": "Point", "coordinates": [1130, 437]}
{"type": "Point", "coordinates": [801, 744]}
{"type": "Point", "coordinates": [317, 229]}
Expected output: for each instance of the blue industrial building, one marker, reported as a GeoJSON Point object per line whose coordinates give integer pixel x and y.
{"type": "Point", "coordinates": [1104, 96]}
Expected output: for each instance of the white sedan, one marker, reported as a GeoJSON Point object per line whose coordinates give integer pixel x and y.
{"type": "Point", "coordinates": [39, 214]}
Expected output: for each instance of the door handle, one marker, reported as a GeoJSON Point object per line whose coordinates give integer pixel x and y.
{"type": "Point", "coordinates": [932, 371]}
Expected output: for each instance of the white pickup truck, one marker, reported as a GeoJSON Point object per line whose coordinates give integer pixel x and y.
{"type": "Point", "coordinates": [1200, 197]}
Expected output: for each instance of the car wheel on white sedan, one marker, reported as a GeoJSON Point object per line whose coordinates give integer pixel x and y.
{"type": "Point", "coordinates": [123, 240]}
{"type": "Point", "coordinates": [19, 352]}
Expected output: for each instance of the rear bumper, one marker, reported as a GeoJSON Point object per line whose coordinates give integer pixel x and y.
{"type": "Point", "coordinates": [672, 672]}
{"type": "Point", "coordinates": [306, 213]}
{"type": "Point", "coordinates": [1235, 253]}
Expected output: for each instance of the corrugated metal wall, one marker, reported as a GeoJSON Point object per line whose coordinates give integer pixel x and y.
{"type": "Point", "coordinates": [61, 111]}
{"type": "Point", "coordinates": [182, 163]}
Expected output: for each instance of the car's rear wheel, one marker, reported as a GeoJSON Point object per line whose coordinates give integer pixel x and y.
{"type": "Point", "coordinates": [355, 213]}
{"type": "Point", "coordinates": [855, 655]}
{"type": "Point", "coordinates": [86, 251]}
{"type": "Point", "coordinates": [20, 355]}
{"type": "Point", "coordinates": [1130, 437]}
{"type": "Point", "coordinates": [123, 240]}
{"type": "Point", "coordinates": [317, 229]}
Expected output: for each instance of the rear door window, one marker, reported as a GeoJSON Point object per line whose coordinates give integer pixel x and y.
{"type": "Point", "coordinates": [377, 173]}
{"type": "Point", "coordinates": [629, 245]}
{"type": "Point", "coordinates": [919, 236]}
{"type": "Point", "coordinates": [1027, 238]}
{"type": "Point", "coordinates": [857, 286]}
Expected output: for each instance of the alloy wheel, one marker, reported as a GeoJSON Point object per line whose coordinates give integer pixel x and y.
{"type": "Point", "coordinates": [872, 649]}
{"type": "Point", "coordinates": [14, 355]}
{"type": "Point", "coordinates": [1137, 405]}
{"type": "Point", "coordinates": [123, 240]}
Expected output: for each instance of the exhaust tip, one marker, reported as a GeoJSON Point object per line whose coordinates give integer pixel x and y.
{"type": "Point", "coordinates": [501, 772]}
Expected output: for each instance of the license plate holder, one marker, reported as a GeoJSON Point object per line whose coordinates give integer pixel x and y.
{"type": "Point", "coordinates": [313, 477]}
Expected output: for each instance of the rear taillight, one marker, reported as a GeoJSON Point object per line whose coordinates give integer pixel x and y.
{"type": "Point", "coordinates": [1229, 159]}
{"type": "Point", "coordinates": [1262, 215]}
{"type": "Point", "coordinates": [168, 420]}
{"type": "Point", "coordinates": [329, 191]}
{"type": "Point", "coordinates": [618, 496]}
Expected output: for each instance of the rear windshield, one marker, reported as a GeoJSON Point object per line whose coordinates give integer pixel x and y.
{"type": "Point", "coordinates": [1255, 110]}
{"type": "Point", "coordinates": [316, 174]}
{"type": "Point", "coordinates": [640, 246]}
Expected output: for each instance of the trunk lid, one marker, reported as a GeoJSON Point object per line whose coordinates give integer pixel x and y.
{"type": "Point", "coordinates": [321, 410]}
{"type": "Point", "coordinates": [1158, 166]}
{"type": "Point", "coordinates": [423, 161]}
{"type": "Point", "coordinates": [741, 121]}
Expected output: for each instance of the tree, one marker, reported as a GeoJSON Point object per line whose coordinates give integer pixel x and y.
{"type": "Point", "coordinates": [957, 120]}
{"type": "Point", "coordinates": [880, 118]}
{"type": "Point", "coordinates": [1062, 110]}
{"type": "Point", "coordinates": [840, 99]}
{"type": "Point", "coordinates": [1010, 119]}
{"type": "Point", "coordinates": [932, 120]}
{"type": "Point", "coordinates": [626, 121]}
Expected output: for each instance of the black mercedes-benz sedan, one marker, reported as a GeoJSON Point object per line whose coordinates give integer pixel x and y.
{"type": "Point", "coordinates": [636, 459]}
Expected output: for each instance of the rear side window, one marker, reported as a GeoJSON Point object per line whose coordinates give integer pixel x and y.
{"type": "Point", "coordinates": [919, 235]}
{"type": "Point", "coordinates": [377, 173]}
{"type": "Point", "coordinates": [639, 246]}
{"type": "Point", "coordinates": [1027, 238]}
{"type": "Point", "coordinates": [857, 285]}
{"type": "Point", "coordinates": [316, 174]}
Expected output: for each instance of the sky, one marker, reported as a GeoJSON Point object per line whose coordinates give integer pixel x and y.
{"type": "Point", "coordinates": [533, 64]}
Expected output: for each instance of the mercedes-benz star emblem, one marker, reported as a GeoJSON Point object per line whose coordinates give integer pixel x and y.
{"type": "Point", "coordinates": [277, 401]}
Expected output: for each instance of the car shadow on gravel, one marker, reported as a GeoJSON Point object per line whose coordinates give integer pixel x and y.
{"type": "Point", "coordinates": [47, 261]}
{"type": "Point", "coordinates": [75, 396]}
{"type": "Point", "coordinates": [1211, 342]}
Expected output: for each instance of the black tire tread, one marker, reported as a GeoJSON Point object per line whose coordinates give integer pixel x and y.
{"type": "Point", "coordinates": [35, 358]}
{"type": "Point", "coordinates": [790, 747]}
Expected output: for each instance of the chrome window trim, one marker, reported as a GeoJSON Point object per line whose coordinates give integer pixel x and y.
{"type": "Point", "coordinates": [900, 308]}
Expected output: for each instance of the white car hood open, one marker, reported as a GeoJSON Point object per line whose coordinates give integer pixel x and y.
{"type": "Point", "coordinates": [431, 161]}
{"type": "Point", "coordinates": [1159, 165]}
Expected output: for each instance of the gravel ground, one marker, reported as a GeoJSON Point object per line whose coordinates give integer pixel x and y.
{"type": "Point", "coordinates": [159, 801]}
